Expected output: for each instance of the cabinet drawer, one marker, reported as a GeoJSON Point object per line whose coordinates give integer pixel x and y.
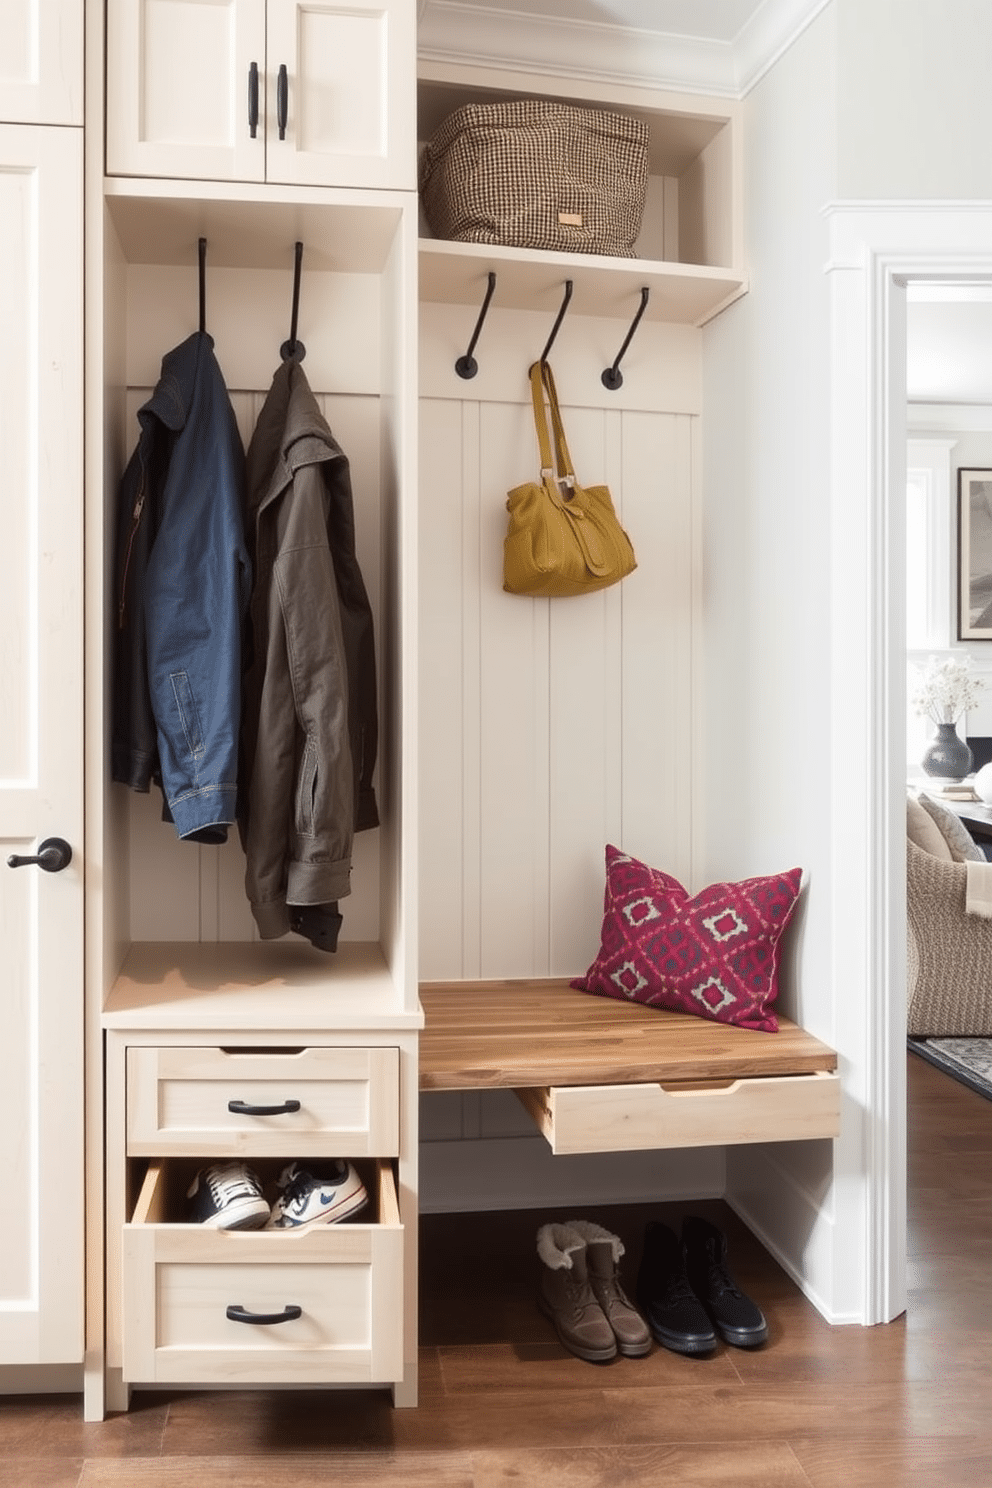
{"type": "Point", "coordinates": [620, 1118]}
{"type": "Point", "coordinates": [302, 1104]}
{"type": "Point", "coordinates": [180, 1279]}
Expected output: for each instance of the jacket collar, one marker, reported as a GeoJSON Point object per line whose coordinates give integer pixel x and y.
{"type": "Point", "coordinates": [291, 432]}
{"type": "Point", "coordinates": [173, 395]}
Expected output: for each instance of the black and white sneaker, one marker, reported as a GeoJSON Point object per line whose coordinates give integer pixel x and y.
{"type": "Point", "coordinates": [313, 1199]}
{"type": "Point", "coordinates": [227, 1196]}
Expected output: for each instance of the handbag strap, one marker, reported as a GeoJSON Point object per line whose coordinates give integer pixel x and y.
{"type": "Point", "coordinates": [542, 382]}
{"type": "Point", "coordinates": [566, 470]}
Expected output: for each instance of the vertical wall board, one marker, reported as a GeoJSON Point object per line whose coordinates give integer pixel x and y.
{"type": "Point", "coordinates": [513, 844]}
{"type": "Point", "coordinates": [471, 485]}
{"type": "Point", "coordinates": [442, 526]}
{"type": "Point", "coordinates": [165, 874]}
{"type": "Point", "coordinates": [584, 733]}
{"type": "Point", "coordinates": [656, 660]}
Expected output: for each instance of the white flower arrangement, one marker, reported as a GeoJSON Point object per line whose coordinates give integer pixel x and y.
{"type": "Point", "coordinates": [946, 689]}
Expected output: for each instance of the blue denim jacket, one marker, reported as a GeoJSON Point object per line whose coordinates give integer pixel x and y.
{"type": "Point", "coordinates": [182, 594]}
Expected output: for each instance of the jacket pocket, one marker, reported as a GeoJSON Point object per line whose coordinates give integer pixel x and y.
{"type": "Point", "coordinates": [188, 715]}
{"type": "Point", "coordinates": [306, 791]}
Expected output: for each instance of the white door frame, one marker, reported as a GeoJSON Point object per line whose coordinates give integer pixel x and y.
{"type": "Point", "coordinates": [876, 251]}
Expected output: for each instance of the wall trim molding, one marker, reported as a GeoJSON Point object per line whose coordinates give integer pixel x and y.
{"type": "Point", "coordinates": [884, 252]}
{"type": "Point", "coordinates": [456, 32]}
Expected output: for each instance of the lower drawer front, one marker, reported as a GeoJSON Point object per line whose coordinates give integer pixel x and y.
{"type": "Point", "coordinates": [622, 1118]}
{"type": "Point", "coordinates": [346, 1281]}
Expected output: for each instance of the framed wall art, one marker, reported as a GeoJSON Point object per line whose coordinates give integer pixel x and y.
{"type": "Point", "coordinates": [975, 555]}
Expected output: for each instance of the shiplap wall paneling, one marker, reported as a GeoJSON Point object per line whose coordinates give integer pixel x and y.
{"type": "Point", "coordinates": [549, 727]}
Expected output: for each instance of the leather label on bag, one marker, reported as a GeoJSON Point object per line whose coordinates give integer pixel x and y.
{"type": "Point", "coordinates": [570, 219]}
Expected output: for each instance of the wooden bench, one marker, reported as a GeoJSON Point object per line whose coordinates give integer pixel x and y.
{"type": "Point", "coordinates": [599, 1075]}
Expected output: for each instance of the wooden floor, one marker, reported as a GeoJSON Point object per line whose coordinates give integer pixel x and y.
{"type": "Point", "coordinates": [503, 1404]}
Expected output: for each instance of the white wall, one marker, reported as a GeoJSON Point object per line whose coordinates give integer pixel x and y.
{"type": "Point", "coordinates": [913, 99]}
{"type": "Point", "coordinates": [768, 631]}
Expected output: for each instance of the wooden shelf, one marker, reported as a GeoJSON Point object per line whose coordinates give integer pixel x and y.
{"type": "Point", "coordinates": [268, 985]}
{"type": "Point", "coordinates": [529, 279]}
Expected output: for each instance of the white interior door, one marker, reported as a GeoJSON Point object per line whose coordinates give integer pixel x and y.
{"type": "Point", "coordinates": [41, 772]}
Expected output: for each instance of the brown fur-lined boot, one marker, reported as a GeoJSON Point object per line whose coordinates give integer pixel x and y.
{"type": "Point", "coordinates": [603, 1252]}
{"type": "Point", "coordinates": [566, 1296]}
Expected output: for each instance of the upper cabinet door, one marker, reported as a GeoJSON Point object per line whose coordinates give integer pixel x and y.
{"type": "Point", "coordinates": [178, 88]}
{"type": "Point", "coordinates": [41, 61]}
{"type": "Point", "coordinates": [348, 115]}
{"type": "Point", "coordinates": [335, 82]}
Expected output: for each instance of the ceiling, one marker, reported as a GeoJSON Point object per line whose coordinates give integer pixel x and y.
{"type": "Point", "coordinates": [949, 344]}
{"type": "Point", "coordinates": [704, 46]}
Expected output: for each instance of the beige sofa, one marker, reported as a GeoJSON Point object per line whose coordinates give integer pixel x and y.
{"type": "Point", "coordinates": [949, 921]}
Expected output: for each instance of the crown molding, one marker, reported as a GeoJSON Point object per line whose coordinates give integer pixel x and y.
{"type": "Point", "coordinates": [453, 31]}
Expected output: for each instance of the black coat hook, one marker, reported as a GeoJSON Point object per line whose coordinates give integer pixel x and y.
{"type": "Point", "coordinates": [294, 350]}
{"type": "Point", "coordinates": [202, 252]}
{"type": "Point", "coordinates": [467, 366]}
{"type": "Point", "coordinates": [612, 378]}
{"type": "Point", "coordinates": [558, 320]}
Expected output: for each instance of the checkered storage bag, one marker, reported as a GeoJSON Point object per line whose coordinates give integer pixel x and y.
{"type": "Point", "coordinates": [537, 174]}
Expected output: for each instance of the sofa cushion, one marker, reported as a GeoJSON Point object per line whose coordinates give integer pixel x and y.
{"type": "Point", "coordinates": [963, 847]}
{"type": "Point", "coordinates": [924, 831]}
{"type": "Point", "coordinates": [714, 954]}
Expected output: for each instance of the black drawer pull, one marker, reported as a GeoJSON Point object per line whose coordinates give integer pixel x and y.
{"type": "Point", "coordinates": [238, 1314]}
{"type": "Point", "coordinates": [242, 1108]}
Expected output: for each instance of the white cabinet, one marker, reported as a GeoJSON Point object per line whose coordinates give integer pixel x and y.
{"type": "Point", "coordinates": [41, 61]}
{"type": "Point", "coordinates": [316, 93]}
{"type": "Point", "coordinates": [41, 743]}
{"type": "Point", "coordinates": [193, 1305]}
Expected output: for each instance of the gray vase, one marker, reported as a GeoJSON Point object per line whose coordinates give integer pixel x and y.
{"type": "Point", "coordinates": [947, 757]}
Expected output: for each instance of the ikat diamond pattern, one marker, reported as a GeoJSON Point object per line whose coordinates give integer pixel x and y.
{"type": "Point", "coordinates": [714, 954]}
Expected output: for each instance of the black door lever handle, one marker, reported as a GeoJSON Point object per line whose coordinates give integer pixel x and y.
{"type": "Point", "coordinates": [53, 855]}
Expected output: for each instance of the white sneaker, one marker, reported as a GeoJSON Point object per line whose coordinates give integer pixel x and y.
{"type": "Point", "coordinates": [227, 1196]}
{"type": "Point", "coordinates": [313, 1199]}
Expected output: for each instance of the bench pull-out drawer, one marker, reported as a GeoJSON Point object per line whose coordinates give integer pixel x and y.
{"type": "Point", "coordinates": [622, 1118]}
{"type": "Point", "coordinates": [229, 1103]}
{"type": "Point", "coordinates": [199, 1304]}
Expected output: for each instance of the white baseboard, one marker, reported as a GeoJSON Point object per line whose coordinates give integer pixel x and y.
{"type": "Point", "coordinates": [794, 1225]}
{"type": "Point", "coordinates": [523, 1173]}
{"type": "Point", "coordinates": [41, 1379]}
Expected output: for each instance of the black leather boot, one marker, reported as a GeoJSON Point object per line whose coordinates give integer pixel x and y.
{"type": "Point", "coordinates": [674, 1314]}
{"type": "Point", "coordinates": [737, 1319]}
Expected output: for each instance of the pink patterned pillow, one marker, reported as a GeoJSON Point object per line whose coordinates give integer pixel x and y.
{"type": "Point", "coordinates": [715, 954]}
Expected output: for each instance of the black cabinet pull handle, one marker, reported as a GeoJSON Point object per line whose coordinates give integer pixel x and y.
{"type": "Point", "coordinates": [53, 855]}
{"type": "Point", "coordinates": [238, 1314]}
{"type": "Point", "coordinates": [282, 100]}
{"type": "Point", "coordinates": [242, 1108]}
{"type": "Point", "coordinates": [253, 100]}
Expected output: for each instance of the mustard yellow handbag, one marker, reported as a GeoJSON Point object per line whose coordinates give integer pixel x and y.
{"type": "Point", "coordinates": [562, 538]}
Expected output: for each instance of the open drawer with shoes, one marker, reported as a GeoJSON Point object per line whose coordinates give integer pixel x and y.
{"type": "Point", "coordinates": [316, 1305]}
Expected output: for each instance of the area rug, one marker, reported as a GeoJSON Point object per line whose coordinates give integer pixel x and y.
{"type": "Point", "coordinates": [968, 1060]}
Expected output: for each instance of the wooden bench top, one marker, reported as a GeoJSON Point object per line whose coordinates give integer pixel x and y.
{"type": "Point", "coordinates": [520, 1034]}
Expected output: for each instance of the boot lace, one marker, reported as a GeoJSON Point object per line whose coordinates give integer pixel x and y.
{"type": "Point", "coordinates": [722, 1283]}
